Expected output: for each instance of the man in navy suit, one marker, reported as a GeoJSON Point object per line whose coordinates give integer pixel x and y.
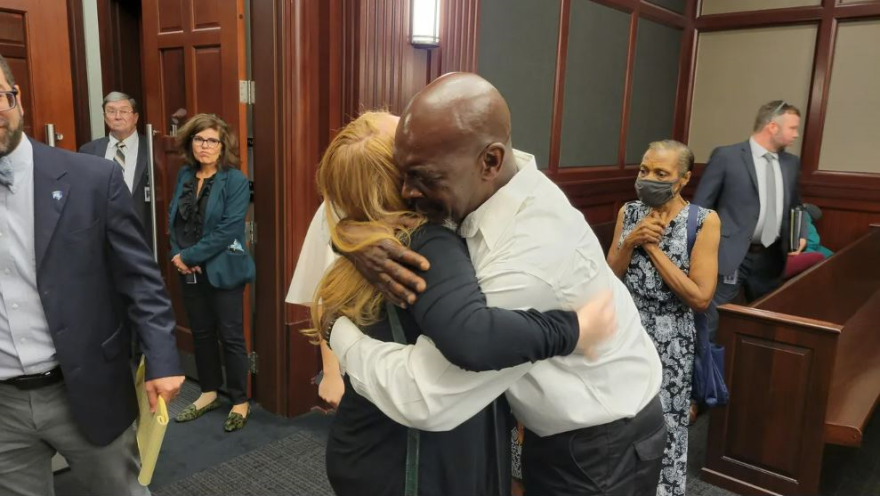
{"type": "Point", "coordinates": [128, 149]}
{"type": "Point", "coordinates": [753, 186]}
{"type": "Point", "coordinates": [73, 267]}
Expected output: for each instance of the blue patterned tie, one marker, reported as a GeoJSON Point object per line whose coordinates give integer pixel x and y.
{"type": "Point", "coordinates": [6, 171]}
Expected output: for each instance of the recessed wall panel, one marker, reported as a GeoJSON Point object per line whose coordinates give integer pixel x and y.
{"type": "Point", "coordinates": [737, 72]}
{"type": "Point", "coordinates": [595, 72]}
{"type": "Point", "coordinates": [517, 53]}
{"type": "Point", "coordinates": [655, 83]}
{"type": "Point", "coordinates": [852, 118]}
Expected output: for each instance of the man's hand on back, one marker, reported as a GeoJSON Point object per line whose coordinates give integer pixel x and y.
{"type": "Point", "coordinates": [385, 265]}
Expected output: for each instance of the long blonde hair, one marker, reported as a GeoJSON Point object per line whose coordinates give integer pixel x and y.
{"type": "Point", "coordinates": [361, 186]}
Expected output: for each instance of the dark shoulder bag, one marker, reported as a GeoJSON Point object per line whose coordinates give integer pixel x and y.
{"type": "Point", "coordinates": [708, 377]}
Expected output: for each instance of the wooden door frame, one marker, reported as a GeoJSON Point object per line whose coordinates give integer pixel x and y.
{"type": "Point", "coordinates": [47, 101]}
{"type": "Point", "coordinates": [297, 72]}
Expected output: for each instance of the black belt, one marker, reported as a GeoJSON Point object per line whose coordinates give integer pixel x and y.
{"type": "Point", "coordinates": [34, 381]}
{"type": "Point", "coordinates": [758, 247]}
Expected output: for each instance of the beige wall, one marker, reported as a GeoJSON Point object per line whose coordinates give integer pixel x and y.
{"type": "Point", "coordinates": [852, 119]}
{"type": "Point", "coordinates": [723, 6]}
{"type": "Point", "coordinates": [737, 72]}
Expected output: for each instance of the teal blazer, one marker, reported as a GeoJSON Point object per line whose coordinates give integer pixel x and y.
{"type": "Point", "coordinates": [221, 249]}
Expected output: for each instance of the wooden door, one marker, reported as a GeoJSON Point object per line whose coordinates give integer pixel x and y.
{"type": "Point", "coordinates": [34, 40]}
{"type": "Point", "coordinates": [193, 53]}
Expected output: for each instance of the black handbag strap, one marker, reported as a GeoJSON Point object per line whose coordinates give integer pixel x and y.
{"type": "Point", "coordinates": [692, 218]}
{"type": "Point", "coordinates": [411, 487]}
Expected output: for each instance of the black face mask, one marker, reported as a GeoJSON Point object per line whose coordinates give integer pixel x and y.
{"type": "Point", "coordinates": [655, 193]}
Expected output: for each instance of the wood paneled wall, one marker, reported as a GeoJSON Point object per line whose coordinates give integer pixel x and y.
{"type": "Point", "coordinates": [80, 88]}
{"type": "Point", "coordinates": [391, 70]}
{"type": "Point", "coordinates": [381, 69]}
{"type": "Point", "coordinates": [458, 37]}
{"type": "Point", "coordinates": [292, 56]}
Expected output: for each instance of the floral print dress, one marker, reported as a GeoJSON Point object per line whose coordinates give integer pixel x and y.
{"type": "Point", "coordinates": [670, 323]}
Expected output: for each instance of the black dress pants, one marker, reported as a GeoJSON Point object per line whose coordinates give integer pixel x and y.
{"type": "Point", "coordinates": [758, 274]}
{"type": "Point", "coordinates": [213, 313]}
{"type": "Point", "coordinates": [620, 458]}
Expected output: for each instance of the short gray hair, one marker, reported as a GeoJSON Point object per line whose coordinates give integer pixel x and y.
{"type": "Point", "coordinates": [685, 155]}
{"type": "Point", "coordinates": [118, 96]}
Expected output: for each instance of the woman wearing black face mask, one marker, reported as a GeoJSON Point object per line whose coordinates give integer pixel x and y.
{"type": "Point", "coordinates": [668, 282]}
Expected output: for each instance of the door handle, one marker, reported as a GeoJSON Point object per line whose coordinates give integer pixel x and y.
{"type": "Point", "coordinates": [52, 136]}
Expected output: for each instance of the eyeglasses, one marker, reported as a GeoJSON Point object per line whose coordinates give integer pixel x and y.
{"type": "Point", "coordinates": [782, 105]}
{"type": "Point", "coordinates": [120, 112]}
{"type": "Point", "coordinates": [205, 142]}
{"type": "Point", "coordinates": [10, 101]}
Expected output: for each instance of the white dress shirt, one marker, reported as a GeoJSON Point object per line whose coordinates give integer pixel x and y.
{"type": "Point", "coordinates": [26, 345]}
{"type": "Point", "coordinates": [131, 154]}
{"type": "Point", "coordinates": [530, 249]}
{"type": "Point", "coordinates": [315, 258]}
{"type": "Point", "coordinates": [761, 164]}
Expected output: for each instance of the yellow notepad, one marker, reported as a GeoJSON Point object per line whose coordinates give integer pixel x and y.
{"type": "Point", "coordinates": [150, 428]}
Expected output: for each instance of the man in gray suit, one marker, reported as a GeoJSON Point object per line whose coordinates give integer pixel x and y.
{"type": "Point", "coordinates": [128, 149]}
{"type": "Point", "coordinates": [753, 186]}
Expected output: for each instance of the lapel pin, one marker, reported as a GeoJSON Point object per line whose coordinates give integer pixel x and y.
{"type": "Point", "coordinates": [56, 195]}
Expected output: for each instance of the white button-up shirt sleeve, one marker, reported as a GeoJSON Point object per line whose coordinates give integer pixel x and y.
{"type": "Point", "coordinates": [315, 258]}
{"type": "Point", "coordinates": [415, 385]}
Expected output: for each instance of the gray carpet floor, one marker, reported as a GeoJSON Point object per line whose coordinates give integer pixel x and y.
{"type": "Point", "coordinates": [278, 456]}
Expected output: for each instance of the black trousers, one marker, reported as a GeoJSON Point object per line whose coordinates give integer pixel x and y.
{"type": "Point", "coordinates": [213, 313]}
{"type": "Point", "coordinates": [620, 458]}
{"type": "Point", "coordinates": [758, 274]}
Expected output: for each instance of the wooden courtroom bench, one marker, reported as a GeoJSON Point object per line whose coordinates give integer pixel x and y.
{"type": "Point", "coordinates": [803, 368]}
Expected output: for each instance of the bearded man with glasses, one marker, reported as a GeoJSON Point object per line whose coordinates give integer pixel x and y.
{"type": "Point", "coordinates": [76, 281]}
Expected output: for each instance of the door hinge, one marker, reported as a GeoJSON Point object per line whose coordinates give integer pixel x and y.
{"type": "Point", "coordinates": [246, 90]}
{"type": "Point", "coordinates": [254, 362]}
{"type": "Point", "coordinates": [250, 231]}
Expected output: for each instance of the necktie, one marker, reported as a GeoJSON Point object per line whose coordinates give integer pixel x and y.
{"type": "Point", "coordinates": [6, 172]}
{"type": "Point", "coordinates": [771, 224]}
{"type": "Point", "coordinates": [120, 154]}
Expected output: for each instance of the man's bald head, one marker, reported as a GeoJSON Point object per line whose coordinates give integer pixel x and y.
{"type": "Point", "coordinates": [455, 135]}
{"type": "Point", "coordinates": [461, 108]}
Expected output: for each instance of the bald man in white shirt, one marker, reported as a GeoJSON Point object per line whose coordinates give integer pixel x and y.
{"type": "Point", "coordinates": [593, 426]}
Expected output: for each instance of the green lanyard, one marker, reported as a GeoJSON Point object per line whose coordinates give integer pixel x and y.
{"type": "Point", "coordinates": [412, 436]}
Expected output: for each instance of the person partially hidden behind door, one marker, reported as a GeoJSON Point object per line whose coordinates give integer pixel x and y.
{"type": "Point", "coordinates": [207, 218]}
{"type": "Point", "coordinates": [128, 149]}
{"type": "Point", "coordinates": [73, 266]}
